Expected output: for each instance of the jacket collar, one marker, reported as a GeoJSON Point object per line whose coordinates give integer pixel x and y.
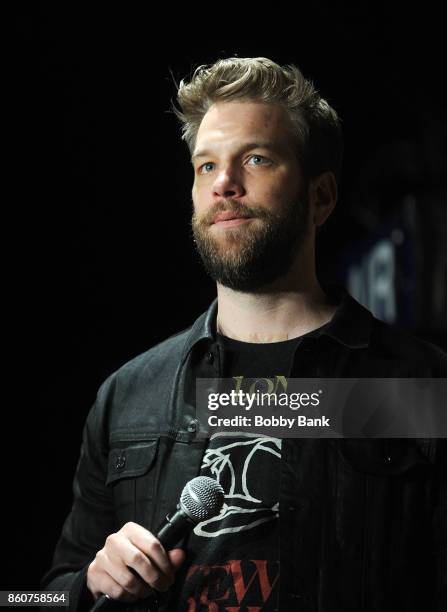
{"type": "Point", "coordinates": [351, 324]}
{"type": "Point", "coordinates": [204, 328]}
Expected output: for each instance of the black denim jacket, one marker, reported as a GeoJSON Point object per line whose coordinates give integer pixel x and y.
{"type": "Point", "coordinates": [363, 523]}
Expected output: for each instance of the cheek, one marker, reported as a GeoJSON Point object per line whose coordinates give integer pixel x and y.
{"type": "Point", "coordinates": [198, 190]}
{"type": "Point", "coordinates": [291, 193]}
{"type": "Point", "coordinates": [199, 201]}
{"type": "Point", "coordinates": [284, 187]}
{"type": "Point", "coordinates": [281, 194]}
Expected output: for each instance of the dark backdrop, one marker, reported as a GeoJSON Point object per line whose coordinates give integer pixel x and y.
{"type": "Point", "coordinates": [108, 185]}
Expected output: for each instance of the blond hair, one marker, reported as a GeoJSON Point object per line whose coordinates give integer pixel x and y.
{"type": "Point", "coordinates": [317, 127]}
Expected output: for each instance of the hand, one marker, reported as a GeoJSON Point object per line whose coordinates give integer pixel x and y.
{"type": "Point", "coordinates": [131, 564]}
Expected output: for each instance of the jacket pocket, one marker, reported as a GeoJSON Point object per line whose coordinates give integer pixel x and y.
{"type": "Point", "coordinates": [384, 519]}
{"type": "Point", "coordinates": [132, 477]}
{"type": "Point", "coordinates": [383, 457]}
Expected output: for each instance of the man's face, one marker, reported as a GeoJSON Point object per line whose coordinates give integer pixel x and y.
{"type": "Point", "coordinates": [250, 202]}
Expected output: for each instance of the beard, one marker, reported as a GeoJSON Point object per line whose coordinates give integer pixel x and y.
{"type": "Point", "coordinates": [256, 253]}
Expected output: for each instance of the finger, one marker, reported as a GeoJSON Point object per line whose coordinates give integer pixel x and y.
{"type": "Point", "coordinates": [152, 547]}
{"type": "Point", "coordinates": [116, 569]}
{"type": "Point", "coordinates": [177, 557]}
{"type": "Point", "coordinates": [114, 590]}
{"type": "Point", "coordinates": [134, 558]}
{"type": "Point", "coordinates": [120, 548]}
{"type": "Point", "coordinates": [137, 546]}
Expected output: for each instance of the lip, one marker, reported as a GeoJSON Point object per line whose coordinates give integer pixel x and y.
{"type": "Point", "coordinates": [228, 218]}
{"type": "Point", "coordinates": [231, 222]}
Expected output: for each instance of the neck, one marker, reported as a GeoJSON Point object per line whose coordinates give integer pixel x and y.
{"type": "Point", "coordinates": [290, 307]}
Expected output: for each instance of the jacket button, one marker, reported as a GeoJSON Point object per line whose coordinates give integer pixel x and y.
{"type": "Point", "coordinates": [209, 357]}
{"type": "Point", "coordinates": [192, 426]}
{"type": "Point", "coordinates": [120, 461]}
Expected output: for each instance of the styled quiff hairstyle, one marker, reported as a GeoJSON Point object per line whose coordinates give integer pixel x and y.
{"type": "Point", "coordinates": [316, 125]}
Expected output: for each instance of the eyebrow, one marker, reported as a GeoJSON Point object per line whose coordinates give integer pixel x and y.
{"type": "Point", "coordinates": [245, 147]}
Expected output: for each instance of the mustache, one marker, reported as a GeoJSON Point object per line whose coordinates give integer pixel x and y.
{"type": "Point", "coordinates": [239, 208]}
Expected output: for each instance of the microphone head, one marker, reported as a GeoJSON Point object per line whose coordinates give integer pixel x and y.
{"type": "Point", "coordinates": [202, 498]}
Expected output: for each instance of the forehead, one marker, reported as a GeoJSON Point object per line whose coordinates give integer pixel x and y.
{"type": "Point", "coordinates": [230, 123]}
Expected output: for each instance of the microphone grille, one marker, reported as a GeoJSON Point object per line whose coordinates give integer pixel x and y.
{"type": "Point", "coordinates": [202, 498]}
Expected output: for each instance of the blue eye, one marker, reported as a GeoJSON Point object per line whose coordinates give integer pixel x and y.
{"type": "Point", "coordinates": [259, 157]}
{"type": "Point", "coordinates": [201, 169]}
{"type": "Point", "coordinates": [208, 166]}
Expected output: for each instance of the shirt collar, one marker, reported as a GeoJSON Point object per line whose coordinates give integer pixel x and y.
{"type": "Point", "coordinates": [351, 324]}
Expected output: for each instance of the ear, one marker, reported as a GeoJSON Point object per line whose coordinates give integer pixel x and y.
{"type": "Point", "coordinates": [323, 197]}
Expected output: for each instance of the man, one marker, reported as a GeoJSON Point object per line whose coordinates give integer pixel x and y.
{"type": "Point", "coordinates": [307, 524]}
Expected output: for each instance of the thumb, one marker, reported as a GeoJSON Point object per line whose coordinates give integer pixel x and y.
{"type": "Point", "coordinates": [176, 556]}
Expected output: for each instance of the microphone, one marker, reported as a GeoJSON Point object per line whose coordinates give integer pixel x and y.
{"type": "Point", "coordinates": [201, 499]}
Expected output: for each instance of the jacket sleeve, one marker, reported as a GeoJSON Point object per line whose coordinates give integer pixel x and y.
{"type": "Point", "coordinates": [439, 370]}
{"type": "Point", "coordinates": [92, 516]}
{"type": "Point", "coordinates": [440, 526]}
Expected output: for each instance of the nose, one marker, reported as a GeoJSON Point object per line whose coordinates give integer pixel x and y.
{"type": "Point", "coordinates": [228, 184]}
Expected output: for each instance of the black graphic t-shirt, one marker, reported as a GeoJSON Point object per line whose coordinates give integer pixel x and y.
{"type": "Point", "coordinates": [232, 560]}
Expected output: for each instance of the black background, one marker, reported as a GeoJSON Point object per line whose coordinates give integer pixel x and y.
{"type": "Point", "coordinates": [107, 181]}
